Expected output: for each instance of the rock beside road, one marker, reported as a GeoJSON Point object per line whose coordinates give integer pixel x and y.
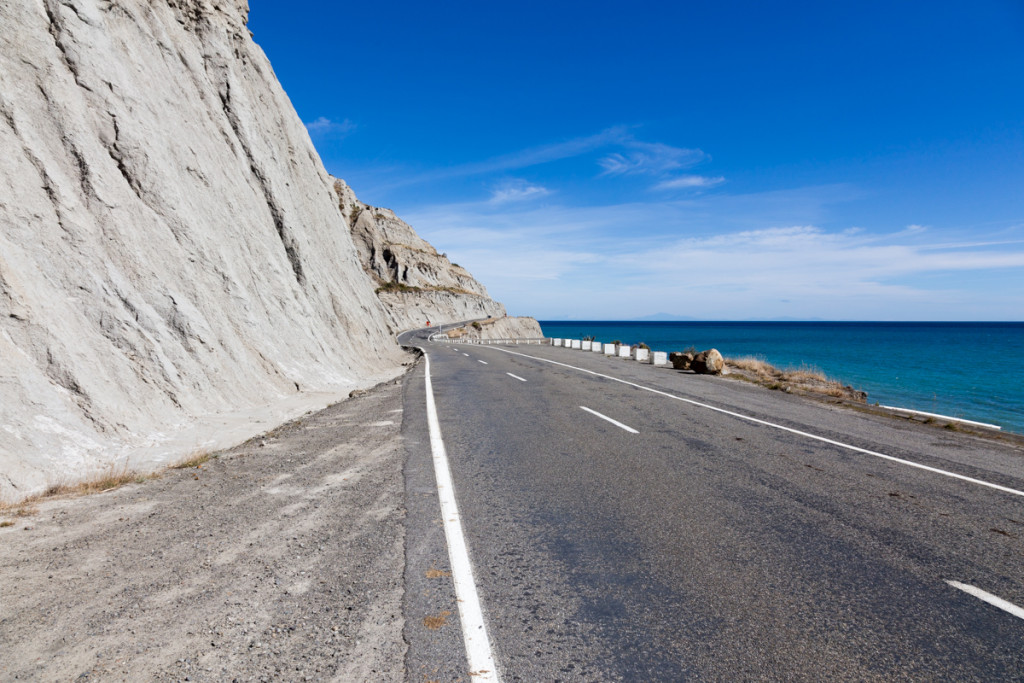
{"type": "Point", "coordinates": [680, 360]}
{"type": "Point", "coordinates": [708, 362]}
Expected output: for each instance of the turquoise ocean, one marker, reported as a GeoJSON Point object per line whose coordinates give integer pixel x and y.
{"type": "Point", "coordinates": [969, 370]}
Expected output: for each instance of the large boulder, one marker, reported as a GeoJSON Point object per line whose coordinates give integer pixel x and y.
{"type": "Point", "coordinates": [708, 362]}
{"type": "Point", "coordinates": [680, 360]}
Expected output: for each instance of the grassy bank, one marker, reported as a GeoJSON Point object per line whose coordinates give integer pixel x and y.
{"type": "Point", "coordinates": [804, 380]}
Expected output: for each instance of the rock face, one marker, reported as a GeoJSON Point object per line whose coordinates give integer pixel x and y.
{"type": "Point", "coordinates": [172, 252]}
{"type": "Point", "coordinates": [412, 280]}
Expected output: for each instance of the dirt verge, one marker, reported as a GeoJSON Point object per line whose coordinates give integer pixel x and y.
{"type": "Point", "coordinates": [279, 560]}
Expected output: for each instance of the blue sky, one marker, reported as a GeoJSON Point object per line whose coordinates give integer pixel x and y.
{"type": "Point", "coordinates": [725, 161]}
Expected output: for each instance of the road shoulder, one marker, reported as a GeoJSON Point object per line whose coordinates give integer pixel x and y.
{"type": "Point", "coordinates": [281, 559]}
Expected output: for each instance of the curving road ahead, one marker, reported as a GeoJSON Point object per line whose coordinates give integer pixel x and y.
{"type": "Point", "coordinates": [633, 523]}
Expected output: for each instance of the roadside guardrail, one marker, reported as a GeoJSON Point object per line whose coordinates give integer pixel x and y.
{"type": "Point", "coordinates": [614, 350]}
{"type": "Point", "coordinates": [539, 341]}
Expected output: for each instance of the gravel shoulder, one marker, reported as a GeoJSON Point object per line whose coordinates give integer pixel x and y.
{"type": "Point", "coordinates": [281, 559]}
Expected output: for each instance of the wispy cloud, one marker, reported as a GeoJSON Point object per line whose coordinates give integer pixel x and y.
{"type": "Point", "coordinates": [623, 155]}
{"type": "Point", "coordinates": [543, 154]}
{"type": "Point", "coordinates": [324, 126]}
{"type": "Point", "coordinates": [689, 182]}
{"type": "Point", "coordinates": [649, 158]}
{"type": "Point", "coordinates": [514, 161]}
{"type": "Point", "coordinates": [516, 191]}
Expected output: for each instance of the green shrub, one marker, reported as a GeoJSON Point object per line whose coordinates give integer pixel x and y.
{"type": "Point", "coordinates": [392, 286]}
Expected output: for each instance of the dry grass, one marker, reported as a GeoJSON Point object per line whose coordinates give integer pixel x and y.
{"type": "Point", "coordinates": [757, 366]}
{"type": "Point", "coordinates": [111, 478]}
{"type": "Point", "coordinates": [804, 379]}
{"type": "Point", "coordinates": [805, 375]}
{"type": "Point", "coordinates": [195, 460]}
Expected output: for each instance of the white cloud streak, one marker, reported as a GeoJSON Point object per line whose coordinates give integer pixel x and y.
{"type": "Point", "coordinates": [323, 127]}
{"type": "Point", "coordinates": [631, 157]}
{"type": "Point", "coordinates": [689, 182]}
{"type": "Point", "coordinates": [517, 191]}
{"type": "Point", "coordinates": [649, 159]}
{"type": "Point", "coordinates": [514, 161]}
{"type": "Point", "coordinates": [608, 262]}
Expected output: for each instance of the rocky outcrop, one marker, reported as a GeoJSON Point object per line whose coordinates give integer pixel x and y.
{"type": "Point", "coordinates": [499, 328]}
{"type": "Point", "coordinates": [415, 283]}
{"type": "Point", "coordinates": [175, 272]}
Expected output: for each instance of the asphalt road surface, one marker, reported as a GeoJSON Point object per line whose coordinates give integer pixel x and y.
{"type": "Point", "coordinates": [618, 533]}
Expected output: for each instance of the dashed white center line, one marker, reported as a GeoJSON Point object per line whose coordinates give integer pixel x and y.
{"type": "Point", "coordinates": [840, 444]}
{"type": "Point", "coordinates": [482, 361]}
{"type": "Point", "coordinates": [466, 355]}
{"type": "Point", "coordinates": [515, 377]}
{"type": "Point", "coordinates": [614, 422]}
{"type": "Point", "coordinates": [989, 598]}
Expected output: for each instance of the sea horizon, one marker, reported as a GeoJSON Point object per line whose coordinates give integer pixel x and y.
{"type": "Point", "coordinates": [918, 365]}
{"type": "Point", "coordinates": [783, 320]}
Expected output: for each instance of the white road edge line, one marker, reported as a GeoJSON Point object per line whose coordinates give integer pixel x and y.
{"type": "Point", "coordinates": [515, 377]}
{"type": "Point", "coordinates": [614, 422]}
{"type": "Point", "coordinates": [481, 361]}
{"type": "Point", "coordinates": [474, 630]}
{"type": "Point", "coordinates": [989, 598]}
{"type": "Point", "coordinates": [858, 449]}
{"type": "Point", "coordinates": [986, 425]}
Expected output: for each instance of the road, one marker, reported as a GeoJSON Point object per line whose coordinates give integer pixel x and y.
{"type": "Point", "coordinates": [771, 541]}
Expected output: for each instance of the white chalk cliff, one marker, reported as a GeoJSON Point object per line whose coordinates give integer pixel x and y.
{"type": "Point", "coordinates": [414, 282]}
{"type": "Point", "coordinates": [176, 270]}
